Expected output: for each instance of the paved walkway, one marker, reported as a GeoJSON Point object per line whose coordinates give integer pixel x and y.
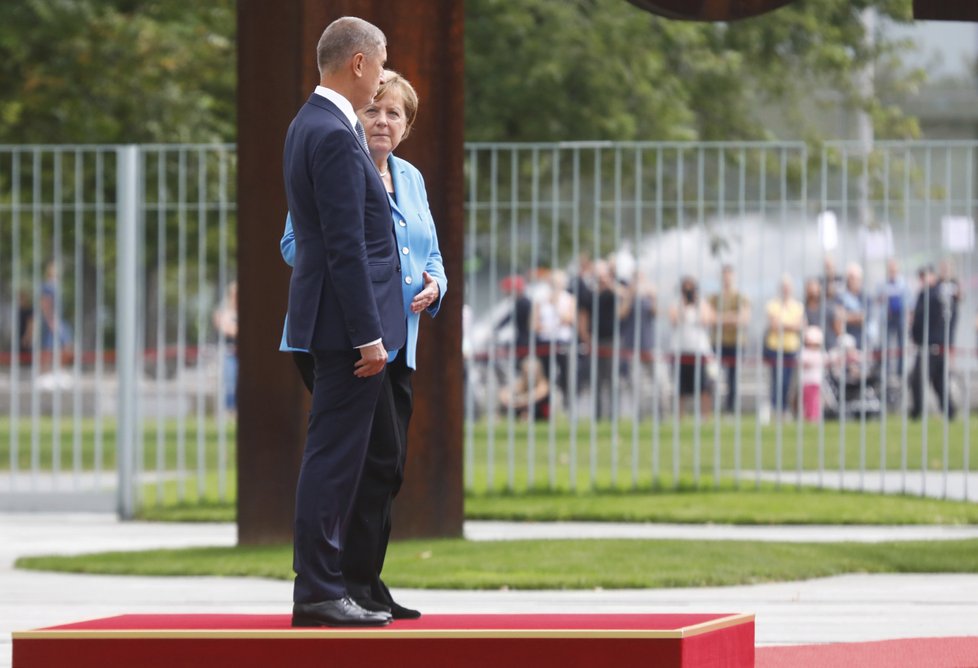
{"type": "Point", "coordinates": [845, 608]}
{"type": "Point", "coordinates": [954, 485]}
{"type": "Point", "coordinates": [789, 534]}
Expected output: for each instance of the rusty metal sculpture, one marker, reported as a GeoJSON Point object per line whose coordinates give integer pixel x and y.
{"type": "Point", "coordinates": [276, 73]}
{"type": "Point", "coordinates": [733, 10]}
{"type": "Point", "coordinates": [709, 10]}
{"type": "Point", "coordinates": [945, 10]}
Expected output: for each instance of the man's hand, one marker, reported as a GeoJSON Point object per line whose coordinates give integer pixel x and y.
{"type": "Point", "coordinates": [372, 361]}
{"type": "Point", "coordinates": [427, 296]}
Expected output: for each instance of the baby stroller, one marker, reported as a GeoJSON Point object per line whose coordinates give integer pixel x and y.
{"type": "Point", "coordinates": [852, 382]}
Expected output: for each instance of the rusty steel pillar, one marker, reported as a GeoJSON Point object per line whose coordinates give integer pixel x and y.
{"type": "Point", "coordinates": [276, 74]}
{"type": "Point", "coordinates": [945, 10]}
{"type": "Point", "coordinates": [710, 10]}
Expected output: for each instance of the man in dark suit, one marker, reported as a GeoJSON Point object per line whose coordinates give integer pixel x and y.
{"type": "Point", "coordinates": [345, 306]}
{"type": "Point", "coordinates": [931, 331]}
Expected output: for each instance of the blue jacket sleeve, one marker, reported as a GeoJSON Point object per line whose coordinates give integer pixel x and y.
{"type": "Point", "coordinates": [288, 242]}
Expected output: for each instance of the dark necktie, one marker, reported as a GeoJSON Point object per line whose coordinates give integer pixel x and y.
{"type": "Point", "coordinates": [362, 135]}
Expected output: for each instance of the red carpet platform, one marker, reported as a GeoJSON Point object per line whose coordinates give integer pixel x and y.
{"type": "Point", "coordinates": [499, 641]}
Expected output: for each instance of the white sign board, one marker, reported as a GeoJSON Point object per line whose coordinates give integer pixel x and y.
{"type": "Point", "coordinates": [958, 234]}
{"type": "Point", "coordinates": [877, 243]}
{"type": "Point", "coordinates": [828, 230]}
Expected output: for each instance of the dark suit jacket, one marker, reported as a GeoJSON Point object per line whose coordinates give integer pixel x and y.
{"type": "Point", "coordinates": [345, 288]}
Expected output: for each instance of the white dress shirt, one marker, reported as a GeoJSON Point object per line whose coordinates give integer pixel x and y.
{"type": "Point", "coordinates": [345, 105]}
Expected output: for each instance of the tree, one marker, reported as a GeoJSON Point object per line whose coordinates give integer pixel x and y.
{"type": "Point", "coordinates": [542, 70]}
{"type": "Point", "coordinates": [536, 70]}
{"type": "Point", "coordinates": [108, 71]}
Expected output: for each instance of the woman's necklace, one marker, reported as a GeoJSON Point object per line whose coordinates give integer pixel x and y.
{"type": "Point", "coordinates": [384, 172]}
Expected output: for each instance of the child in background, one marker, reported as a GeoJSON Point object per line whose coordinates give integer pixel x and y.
{"type": "Point", "coordinates": [812, 373]}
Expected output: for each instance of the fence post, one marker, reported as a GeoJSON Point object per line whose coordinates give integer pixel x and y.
{"type": "Point", "coordinates": [128, 199]}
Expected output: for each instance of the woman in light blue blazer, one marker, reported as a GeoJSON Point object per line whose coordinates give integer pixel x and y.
{"type": "Point", "coordinates": [386, 122]}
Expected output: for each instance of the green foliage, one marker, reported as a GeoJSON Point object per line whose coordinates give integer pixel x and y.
{"type": "Point", "coordinates": [117, 71]}
{"type": "Point", "coordinates": [541, 70]}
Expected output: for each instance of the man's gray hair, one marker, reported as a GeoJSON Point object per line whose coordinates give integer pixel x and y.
{"type": "Point", "coordinates": [344, 38]}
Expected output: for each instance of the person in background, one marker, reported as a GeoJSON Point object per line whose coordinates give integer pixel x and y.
{"type": "Point", "coordinates": [844, 360]}
{"type": "Point", "coordinates": [812, 374]}
{"type": "Point", "coordinates": [691, 319]}
{"type": "Point", "coordinates": [950, 293]}
{"type": "Point", "coordinates": [853, 301]}
{"type": "Point", "coordinates": [55, 334]}
{"type": "Point", "coordinates": [893, 298]}
{"type": "Point", "coordinates": [529, 389]}
{"type": "Point", "coordinates": [25, 324]}
{"type": "Point", "coordinates": [226, 323]}
{"type": "Point", "coordinates": [554, 319]}
{"type": "Point", "coordinates": [832, 283]}
{"type": "Point", "coordinates": [638, 327]}
{"type": "Point", "coordinates": [785, 320]}
{"type": "Point", "coordinates": [520, 314]}
{"type": "Point", "coordinates": [931, 319]}
{"type": "Point", "coordinates": [582, 286]}
{"type": "Point", "coordinates": [613, 303]}
{"type": "Point", "coordinates": [732, 310]}
{"type": "Point", "coordinates": [814, 314]}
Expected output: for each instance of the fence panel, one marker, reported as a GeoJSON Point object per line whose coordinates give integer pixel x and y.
{"type": "Point", "coordinates": [63, 270]}
{"type": "Point", "coordinates": [603, 351]}
{"type": "Point", "coordinates": [587, 363]}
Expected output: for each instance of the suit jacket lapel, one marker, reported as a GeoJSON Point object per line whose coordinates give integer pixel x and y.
{"type": "Point", "coordinates": [399, 186]}
{"type": "Point", "coordinates": [323, 103]}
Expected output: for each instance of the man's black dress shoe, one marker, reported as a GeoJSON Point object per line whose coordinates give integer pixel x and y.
{"type": "Point", "coordinates": [398, 611]}
{"type": "Point", "coordinates": [371, 605]}
{"type": "Point", "coordinates": [341, 612]}
{"type": "Point", "coordinates": [380, 592]}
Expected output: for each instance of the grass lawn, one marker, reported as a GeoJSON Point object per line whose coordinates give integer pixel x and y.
{"type": "Point", "coordinates": [571, 564]}
{"type": "Point", "coordinates": [604, 490]}
{"type": "Point", "coordinates": [518, 457]}
{"type": "Point", "coordinates": [542, 456]}
{"type": "Point", "coordinates": [726, 506]}
{"type": "Point", "coordinates": [766, 505]}
{"type": "Point", "coordinates": [171, 443]}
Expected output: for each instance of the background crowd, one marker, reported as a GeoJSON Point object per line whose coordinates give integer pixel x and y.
{"type": "Point", "coordinates": [841, 346]}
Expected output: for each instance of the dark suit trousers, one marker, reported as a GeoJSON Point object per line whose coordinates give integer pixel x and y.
{"type": "Point", "coordinates": [306, 364]}
{"type": "Point", "coordinates": [336, 447]}
{"type": "Point", "coordinates": [370, 522]}
{"type": "Point", "coordinates": [935, 372]}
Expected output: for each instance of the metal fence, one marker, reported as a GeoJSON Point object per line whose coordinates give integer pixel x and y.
{"type": "Point", "coordinates": [578, 373]}
{"type": "Point", "coordinates": [112, 260]}
{"type": "Point", "coordinates": [639, 387]}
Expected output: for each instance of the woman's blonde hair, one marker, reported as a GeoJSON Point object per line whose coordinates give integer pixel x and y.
{"type": "Point", "coordinates": [394, 81]}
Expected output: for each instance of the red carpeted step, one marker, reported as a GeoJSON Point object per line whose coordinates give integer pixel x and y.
{"type": "Point", "coordinates": [473, 641]}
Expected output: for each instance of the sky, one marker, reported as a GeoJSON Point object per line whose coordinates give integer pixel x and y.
{"type": "Point", "coordinates": [945, 47]}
